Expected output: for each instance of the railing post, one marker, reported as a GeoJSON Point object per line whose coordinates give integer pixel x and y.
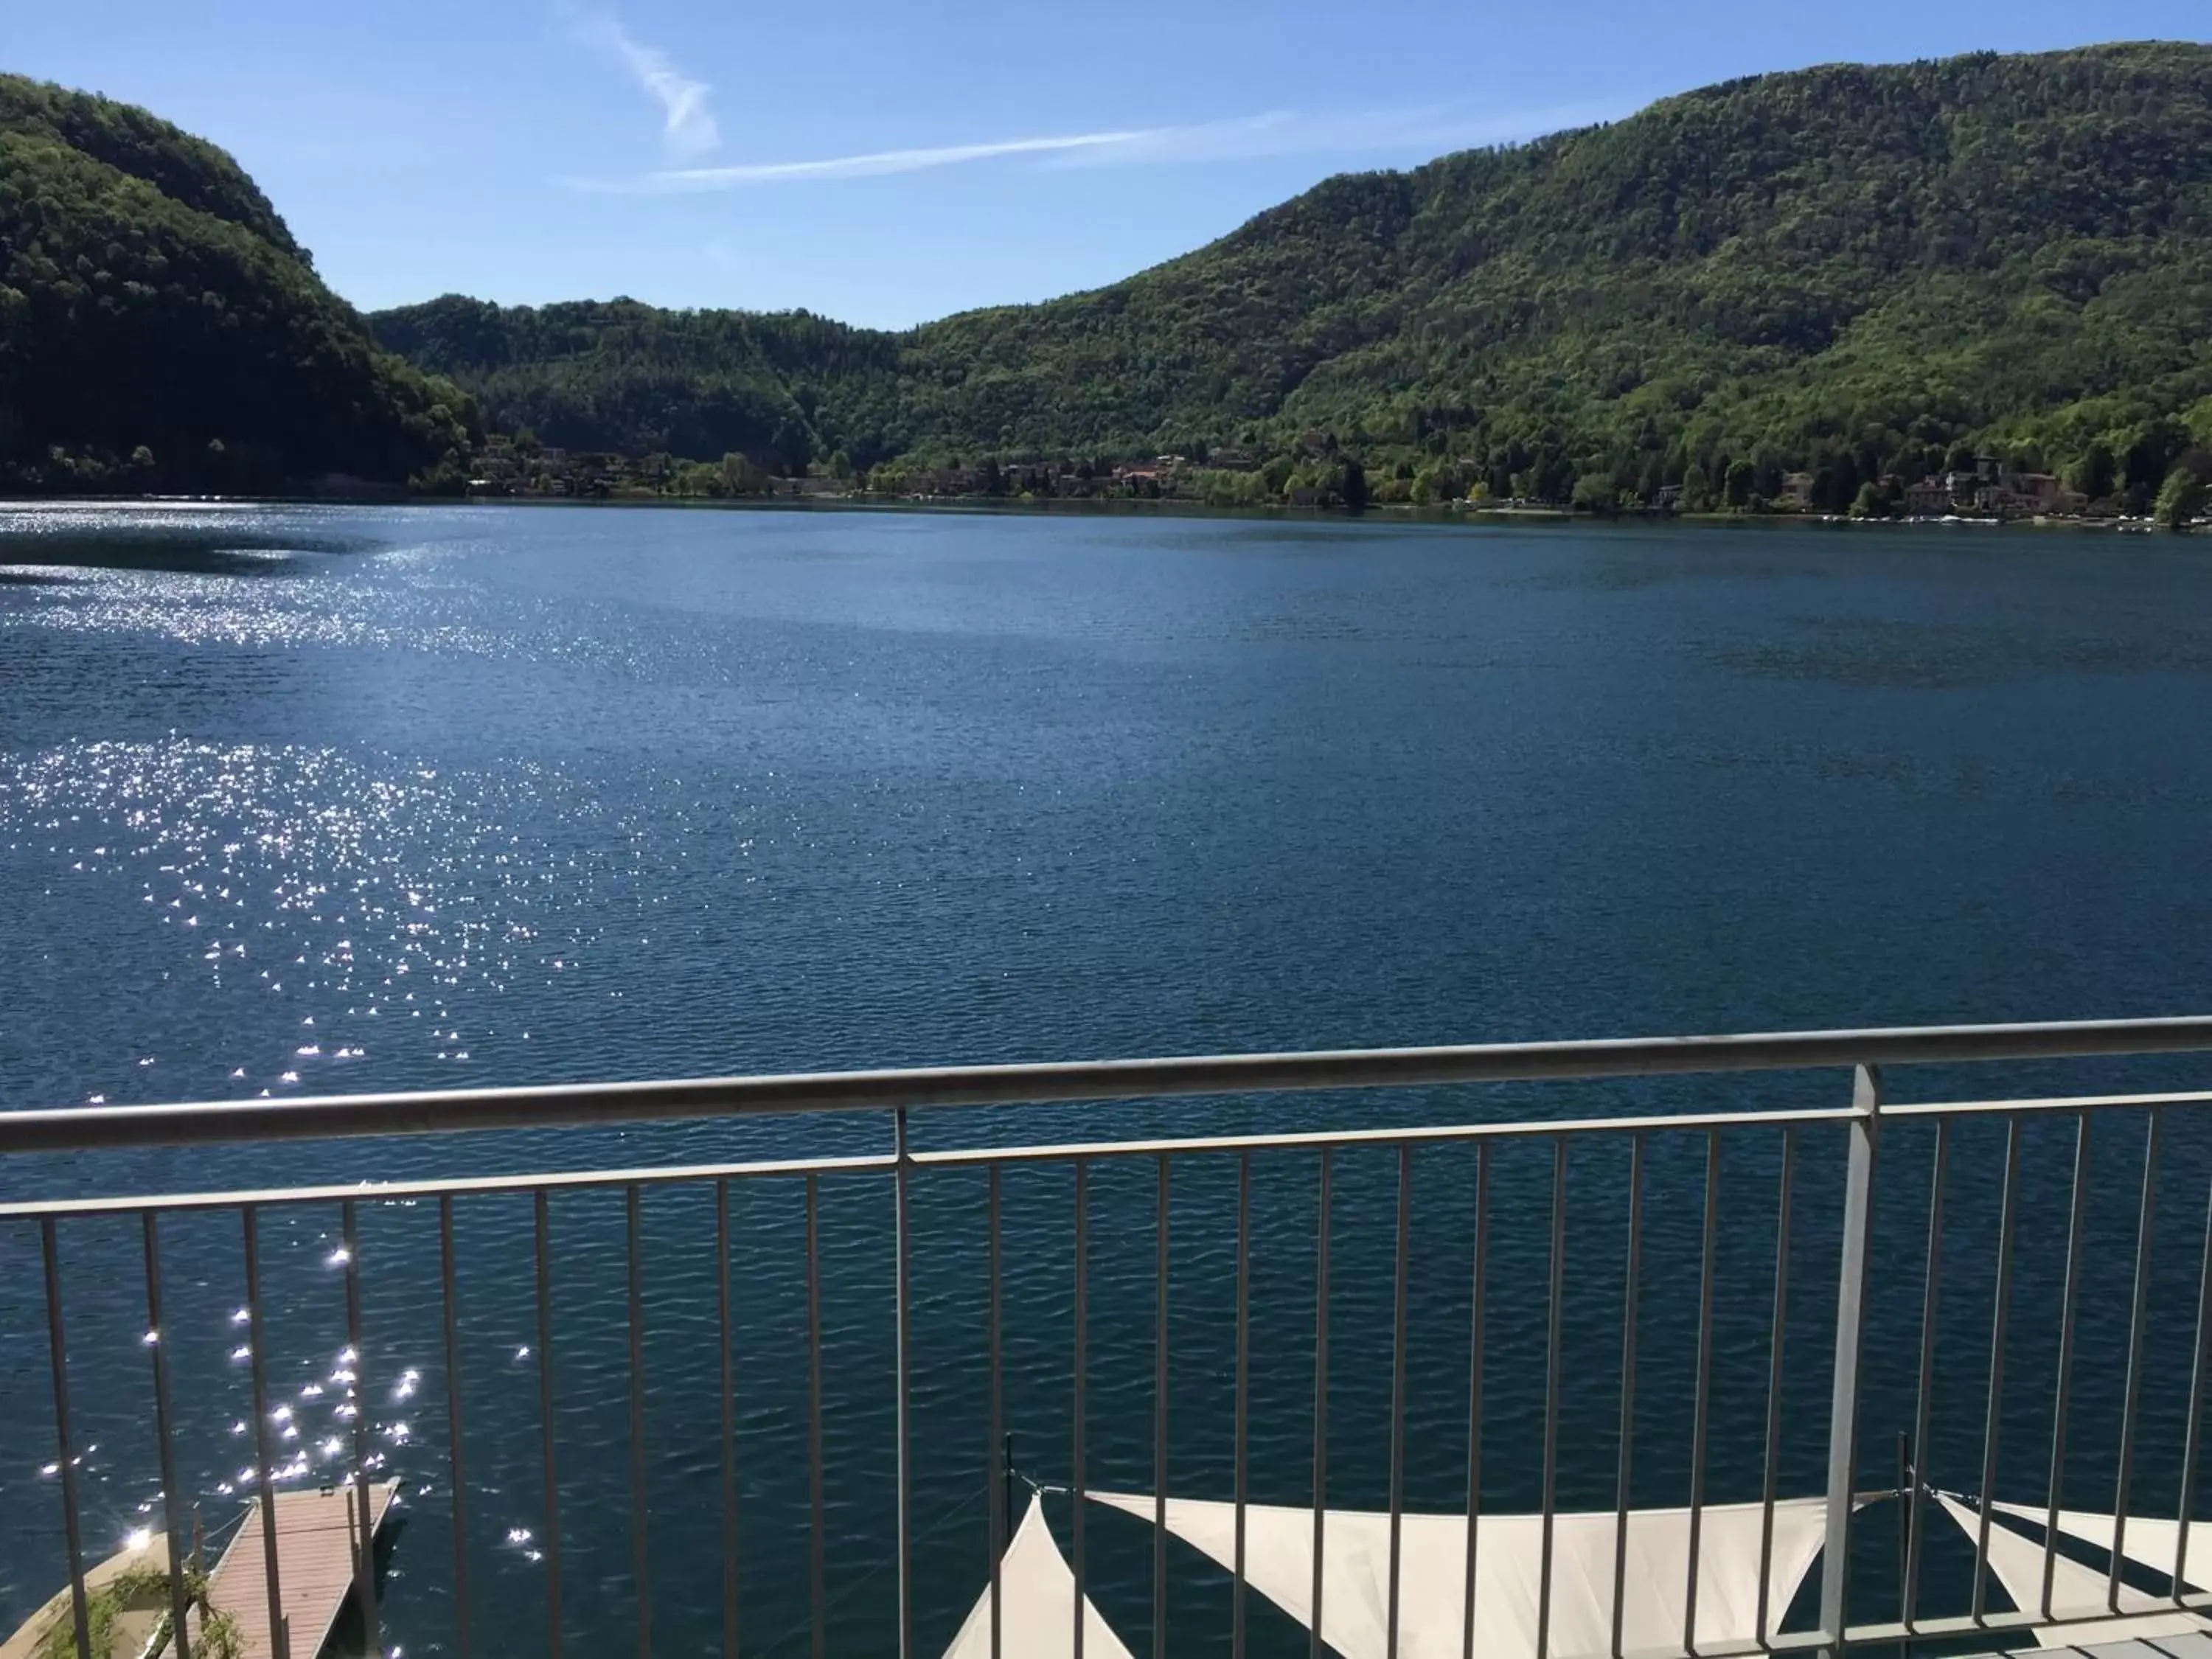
{"type": "Point", "coordinates": [902, 1246]}
{"type": "Point", "coordinates": [1850, 1333]}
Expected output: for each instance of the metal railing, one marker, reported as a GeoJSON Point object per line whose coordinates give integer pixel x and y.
{"type": "Point", "coordinates": [96, 1134]}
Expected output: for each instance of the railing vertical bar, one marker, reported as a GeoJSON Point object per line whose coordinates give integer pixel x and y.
{"type": "Point", "coordinates": [1321, 1399]}
{"type": "Point", "coordinates": [1554, 1316]}
{"type": "Point", "coordinates": [1399, 1286]}
{"type": "Point", "coordinates": [993, 1318]}
{"type": "Point", "coordinates": [2137, 1320]}
{"type": "Point", "coordinates": [2192, 1436]}
{"type": "Point", "coordinates": [1931, 1297]}
{"type": "Point", "coordinates": [724, 1325]}
{"type": "Point", "coordinates": [817, 1580]}
{"type": "Point", "coordinates": [1850, 1341]}
{"type": "Point", "coordinates": [1701, 1409]}
{"type": "Point", "coordinates": [1082, 1381]}
{"type": "Point", "coordinates": [543, 1218]}
{"type": "Point", "coordinates": [1625, 1469]}
{"type": "Point", "coordinates": [639, 1534]}
{"type": "Point", "coordinates": [173, 1510]}
{"type": "Point", "coordinates": [1474, 1369]}
{"type": "Point", "coordinates": [364, 1564]}
{"type": "Point", "coordinates": [2000, 1318]}
{"type": "Point", "coordinates": [902, 1314]}
{"type": "Point", "coordinates": [1160, 1418]}
{"type": "Point", "coordinates": [1776, 1344]}
{"type": "Point", "coordinates": [2068, 1298]}
{"type": "Point", "coordinates": [264, 1454]}
{"type": "Point", "coordinates": [448, 1278]}
{"type": "Point", "coordinates": [1244, 1393]}
{"type": "Point", "coordinates": [58, 1351]}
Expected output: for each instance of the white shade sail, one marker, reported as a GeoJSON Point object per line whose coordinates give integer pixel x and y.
{"type": "Point", "coordinates": [1432, 1574]}
{"type": "Point", "coordinates": [2017, 1562]}
{"type": "Point", "coordinates": [1038, 1622]}
{"type": "Point", "coordinates": [2149, 1541]}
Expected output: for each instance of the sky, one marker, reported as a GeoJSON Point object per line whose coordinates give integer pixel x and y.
{"type": "Point", "coordinates": [886, 163]}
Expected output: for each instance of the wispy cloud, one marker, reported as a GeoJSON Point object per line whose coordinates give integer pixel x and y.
{"type": "Point", "coordinates": [872, 165]}
{"type": "Point", "coordinates": [688, 120]}
{"type": "Point", "coordinates": [1281, 132]}
{"type": "Point", "coordinates": [1423, 131]}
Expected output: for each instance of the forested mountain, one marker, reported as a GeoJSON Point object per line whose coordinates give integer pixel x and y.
{"type": "Point", "coordinates": [619, 375]}
{"type": "Point", "coordinates": [1856, 269]}
{"type": "Point", "coordinates": [160, 329]}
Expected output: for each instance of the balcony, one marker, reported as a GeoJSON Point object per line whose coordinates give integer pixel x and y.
{"type": "Point", "coordinates": [1559, 1351]}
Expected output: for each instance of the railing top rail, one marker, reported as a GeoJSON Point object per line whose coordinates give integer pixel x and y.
{"type": "Point", "coordinates": [452, 1111]}
{"type": "Point", "coordinates": [1421, 1135]}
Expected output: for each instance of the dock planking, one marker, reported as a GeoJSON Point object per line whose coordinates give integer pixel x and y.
{"type": "Point", "coordinates": [315, 1534]}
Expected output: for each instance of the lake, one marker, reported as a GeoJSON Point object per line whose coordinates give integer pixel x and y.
{"type": "Point", "coordinates": [325, 799]}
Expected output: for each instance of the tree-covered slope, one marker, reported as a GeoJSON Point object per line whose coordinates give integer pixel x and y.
{"type": "Point", "coordinates": [622, 376]}
{"type": "Point", "coordinates": [160, 328]}
{"type": "Point", "coordinates": [1854, 268]}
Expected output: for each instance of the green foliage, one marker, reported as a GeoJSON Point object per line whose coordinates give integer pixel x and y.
{"type": "Point", "coordinates": [153, 308]}
{"type": "Point", "coordinates": [189, 171]}
{"type": "Point", "coordinates": [2186, 491]}
{"type": "Point", "coordinates": [144, 1587]}
{"type": "Point", "coordinates": [1596, 492]}
{"type": "Point", "coordinates": [733, 475]}
{"type": "Point", "coordinates": [2093, 471]}
{"type": "Point", "coordinates": [1850, 271]}
{"type": "Point", "coordinates": [624, 376]}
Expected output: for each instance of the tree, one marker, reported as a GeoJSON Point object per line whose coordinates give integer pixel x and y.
{"type": "Point", "coordinates": [1841, 484]}
{"type": "Point", "coordinates": [2182, 497]}
{"type": "Point", "coordinates": [1737, 491]}
{"type": "Point", "coordinates": [2092, 472]}
{"type": "Point", "coordinates": [741, 476]}
{"type": "Point", "coordinates": [1868, 503]}
{"type": "Point", "coordinates": [1596, 492]}
{"type": "Point", "coordinates": [1552, 478]}
{"type": "Point", "coordinates": [448, 476]}
{"type": "Point", "coordinates": [2150, 453]}
{"type": "Point", "coordinates": [1352, 485]}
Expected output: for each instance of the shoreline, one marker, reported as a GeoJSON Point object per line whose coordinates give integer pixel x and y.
{"type": "Point", "coordinates": [861, 501]}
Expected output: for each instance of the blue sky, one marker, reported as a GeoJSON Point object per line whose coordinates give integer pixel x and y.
{"type": "Point", "coordinates": [886, 163]}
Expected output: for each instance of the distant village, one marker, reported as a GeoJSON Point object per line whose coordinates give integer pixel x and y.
{"type": "Point", "coordinates": [503, 467]}
{"type": "Point", "coordinates": [1989, 490]}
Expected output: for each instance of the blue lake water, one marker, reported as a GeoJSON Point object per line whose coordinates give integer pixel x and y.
{"type": "Point", "coordinates": [299, 799]}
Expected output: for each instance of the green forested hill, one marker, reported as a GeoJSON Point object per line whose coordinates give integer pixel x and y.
{"type": "Point", "coordinates": [1850, 269]}
{"type": "Point", "coordinates": [622, 376]}
{"type": "Point", "coordinates": [160, 329]}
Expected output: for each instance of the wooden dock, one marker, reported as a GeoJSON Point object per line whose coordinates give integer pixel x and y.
{"type": "Point", "coordinates": [315, 1541]}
